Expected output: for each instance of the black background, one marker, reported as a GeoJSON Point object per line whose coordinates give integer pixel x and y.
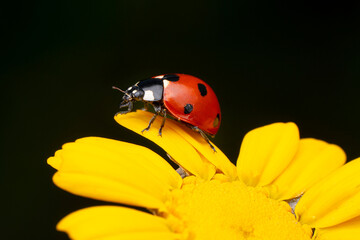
{"type": "Point", "coordinates": [266, 60]}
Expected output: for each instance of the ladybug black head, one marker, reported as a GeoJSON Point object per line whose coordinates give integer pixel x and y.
{"type": "Point", "coordinates": [133, 93]}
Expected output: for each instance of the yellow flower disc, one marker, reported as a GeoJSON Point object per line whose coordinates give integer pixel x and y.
{"type": "Point", "coordinates": [231, 210]}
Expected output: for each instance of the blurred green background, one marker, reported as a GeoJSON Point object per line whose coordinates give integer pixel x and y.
{"type": "Point", "coordinates": [266, 60]}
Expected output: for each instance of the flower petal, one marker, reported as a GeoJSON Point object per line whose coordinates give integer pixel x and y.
{"type": "Point", "coordinates": [140, 156]}
{"type": "Point", "coordinates": [110, 222]}
{"type": "Point", "coordinates": [266, 151]}
{"type": "Point", "coordinates": [114, 171]}
{"type": "Point", "coordinates": [171, 141]}
{"type": "Point", "coordinates": [333, 200]}
{"type": "Point", "coordinates": [141, 236]}
{"type": "Point", "coordinates": [217, 158]}
{"type": "Point", "coordinates": [349, 230]}
{"type": "Point", "coordinates": [101, 188]}
{"type": "Point", "coordinates": [55, 161]}
{"type": "Point", "coordinates": [314, 160]}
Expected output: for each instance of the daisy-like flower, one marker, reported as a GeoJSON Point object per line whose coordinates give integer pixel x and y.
{"type": "Point", "coordinates": [216, 199]}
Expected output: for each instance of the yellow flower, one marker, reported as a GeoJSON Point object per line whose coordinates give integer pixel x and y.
{"type": "Point", "coordinates": [216, 200]}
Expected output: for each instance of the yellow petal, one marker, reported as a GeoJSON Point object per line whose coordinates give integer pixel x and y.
{"type": "Point", "coordinates": [266, 151]}
{"type": "Point", "coordinates": [55, 161]}
{"type": "Point", "coordinates": [141, 236]}
{"type": "Point", "coordinates": [120, 166]}
{"type": "Point", "coordinates": [217, 158]}
{"type": "Point", "coordinates": [171, 141]}
{"type": "Point", "coordinates": [105, 189]}
{"type": "Point", "coordinates": [349, 230]}
{"type": "Point", "coordinates": [314, 160]}
{"type": "Point", "coordinates": [333, 200]}
{"type": "Point", "coordinates": [140, 157]}
{"type": "Point", "coordinates": [109, 222]}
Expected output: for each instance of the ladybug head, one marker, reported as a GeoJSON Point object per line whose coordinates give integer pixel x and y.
{"type": "Point", "coordinates": [133, 93]}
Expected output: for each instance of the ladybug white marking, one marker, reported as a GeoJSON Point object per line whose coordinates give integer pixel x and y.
{"type": "Point", "coordinates": [149, 95]}
{"type": "Point", "coordinates": [160, 76]}
{"type": "Point", "coordinates": [166, 83]}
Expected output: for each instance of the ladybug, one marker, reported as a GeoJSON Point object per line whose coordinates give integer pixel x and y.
{"type": "Point", "coordinates": [184, 97]}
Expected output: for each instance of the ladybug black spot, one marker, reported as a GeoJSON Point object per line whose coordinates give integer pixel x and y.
{"type": "Point", "coordinates": [202, 89]}
{"type": "Point", "coordinates": [188, 108]}
{"type": "Point", "coordinates": [171, 77]}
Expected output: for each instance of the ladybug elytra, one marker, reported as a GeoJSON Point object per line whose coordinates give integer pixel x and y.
{"type": "Point", "coordinates": [184, 97]}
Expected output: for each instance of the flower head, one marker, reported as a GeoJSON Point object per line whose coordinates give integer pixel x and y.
{"type": "Point", "coordinates": [216, 199]}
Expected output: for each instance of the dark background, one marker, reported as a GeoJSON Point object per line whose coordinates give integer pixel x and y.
{"type": "Point", "coordinates": [266, 60]}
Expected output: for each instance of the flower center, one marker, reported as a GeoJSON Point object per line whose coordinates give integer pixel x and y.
{"type": "Point", "coordinates": [231, 210]}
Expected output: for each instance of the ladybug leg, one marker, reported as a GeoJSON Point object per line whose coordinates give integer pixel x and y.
{"type": "Point", "coordinates": [146, 106]}
{"type": "Point", "coordinates": [157, 109]}
{"type": "Point", "coordinates": [150, 122]}
{"type": "Point", "coordinates": [129, 105]}
{"type": "Point", "coordinates": [163, 122]}
{"type": "Point", "coordinates": [203, 134]}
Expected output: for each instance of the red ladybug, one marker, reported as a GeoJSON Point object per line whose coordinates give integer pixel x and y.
{"type": "Point", "coordinates": [184, 97]}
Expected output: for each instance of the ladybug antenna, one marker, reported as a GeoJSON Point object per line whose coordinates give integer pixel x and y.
{"type": "Point", "coordinates": [116, 88]}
